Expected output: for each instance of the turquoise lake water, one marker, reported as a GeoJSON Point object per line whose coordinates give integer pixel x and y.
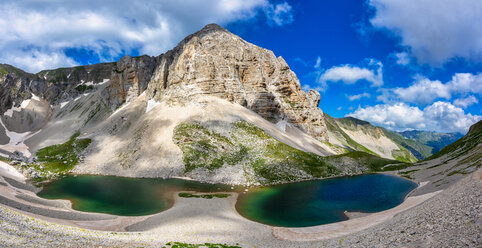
{"type": "Point", "coordinates": [292, 205]}
{"type": "Point", "coordinates": [319, 202]}
{"type": "Point", "coordinates": [121, 195]}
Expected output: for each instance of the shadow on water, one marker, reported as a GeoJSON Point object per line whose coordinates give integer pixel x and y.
{"type": "Point", "coordinates": [121, 195]}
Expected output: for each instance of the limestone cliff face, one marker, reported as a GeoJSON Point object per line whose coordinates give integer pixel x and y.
{"type": "Point", "coordinates": [216, 62]}
{"type": "Point", "coordinates": [130, 78]}
{"type": "Point", "coordinates": [212, 62]}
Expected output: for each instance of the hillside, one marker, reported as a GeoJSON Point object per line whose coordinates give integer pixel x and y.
{"type": "Point", "coordinates": [357, 135]}
{"type": "Point", "coordinates": [435, 140]}
{"type": "Point", "coordinates": [450, 164]}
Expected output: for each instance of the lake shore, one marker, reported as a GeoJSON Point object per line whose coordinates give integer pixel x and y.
{"type": "Point", "coordinates": [190, 220]}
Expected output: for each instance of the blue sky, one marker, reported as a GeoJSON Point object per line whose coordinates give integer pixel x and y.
{"type": "Point", "coordinates": [401, 64]}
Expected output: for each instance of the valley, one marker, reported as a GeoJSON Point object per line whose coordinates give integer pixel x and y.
{"type": "Point", "coordinates": [151, 150]}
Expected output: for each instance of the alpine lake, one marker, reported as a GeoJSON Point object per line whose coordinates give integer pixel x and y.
{"type": "Point", "coordinates": [298, 204]}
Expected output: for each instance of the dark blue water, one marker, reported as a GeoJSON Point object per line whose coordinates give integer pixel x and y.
{"type": "Point", "coordinates": [323, 201]}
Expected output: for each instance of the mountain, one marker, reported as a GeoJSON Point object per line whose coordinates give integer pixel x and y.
{"type": "Point", "coordinates": [468, 143]}
{"type": "Point", "coordinates": [450, 164]}
{"type": "Point", "coordinates": [357, 135]}
{"type": "Point", "coordinates": [435, 140]}
{"type": "Point", "coordinates": [214, 108]}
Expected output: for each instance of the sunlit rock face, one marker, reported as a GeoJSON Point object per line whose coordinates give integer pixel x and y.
{"type": "Point", "coordinates": [216, 62]}
{"type": "Point", "coordinates": [212, 62]}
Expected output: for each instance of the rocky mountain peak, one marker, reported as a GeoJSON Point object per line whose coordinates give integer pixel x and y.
{"type": "Point", "coordinates": [212, 27]}
{"type": "Point", "coordinates": [213, 61]}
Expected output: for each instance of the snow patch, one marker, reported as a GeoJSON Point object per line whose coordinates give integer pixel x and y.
{"type": "Point", "coordinates": [151, 104]}
{"type": "Point", "coordinates": [8, 170]}
{"type": "Point", "coordinates": [80, 96]}
{"type": "Point", "coordinates": [34, 97]}
{"type": "Point", "coordinates": [17, 140]}
{"type": "Point", "coordinates": [23, 105]}
{"type": "Point", "coordinates": [62, 104]}
{"type": "Point", "coordinates": [89, 83]}
{"type": "Point", "coordinates": [104, 81]}
{"type": "Point", "coordinates": [281, 125]}
{"type": "Point", "coordinates": [121, 108]}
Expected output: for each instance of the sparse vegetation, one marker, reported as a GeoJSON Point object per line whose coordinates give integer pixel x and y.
{"type": "Point", "coordinates": [3, 71]}
{"type": "Point", "coordinates": [463, 145]}
{"type": "Point", "coordinates": [62, 158]}
{"type": "Point", "coordinates": [205, 245]}
{"type": "Point", "coordinates": [248, 145]}
{"type": "Point", "coordinates": [267, 159]}
{"type": "Point", "coordinates": [205, 196]}
{"type": "Point", "coordinates": [333, 127]}
{"type": "Point", "coordinates": [5, 159]}
{"type": "Point", "coordinates": [81, 88]}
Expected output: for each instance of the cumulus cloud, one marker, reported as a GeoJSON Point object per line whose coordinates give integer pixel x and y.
{"type": "Point", "coordinates": [465, 102]}
{"type": "Point", "coordinates": [424, 91]}
{"type": "Point", "coordinates": [403, 58]}
{"type": "Point", "coordinates": [358, 96]}
{"type": "Point", "coordinates": [439, 116]}
{"type": "Point", "coordinates": [279, 14]}
{"type": "Point", "coordinates": [42, 31]}
{"type": "Point", "coordinates": [350, 74]}
{"type": "Point", "coordinates": [435, 31]}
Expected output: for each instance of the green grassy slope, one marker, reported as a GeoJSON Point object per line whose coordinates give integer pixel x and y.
{"type": "Point", "coordinates": [404, 153]}
{"type": "Point", "coordinates": [419, 150]}
{"type": "Point", "coordinates": [463, 145]}
{"type": "Point", "coordinates": [264, 159]}
{"type": "Point", "coordinates": [435, 140]}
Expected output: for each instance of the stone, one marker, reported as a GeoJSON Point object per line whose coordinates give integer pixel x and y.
{"type": "Point", "coordinates": [130, 78]}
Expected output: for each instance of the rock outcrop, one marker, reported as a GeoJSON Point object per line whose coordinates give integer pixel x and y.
{"type": "Point", "coordinates": [215, 62]}
{"type": "Point", "coordinates": [130, 78]}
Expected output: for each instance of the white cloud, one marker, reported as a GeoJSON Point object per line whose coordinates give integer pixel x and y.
{"type": "Point", "coordinates": [339, 108]}
{"type": "Point", "coordinates": [318, 62]}
{"type": "Point", "coordinates": [424, 91]}
{"type": "Point", "coordinates": [45, 29]}
{"type": "Point", "coordinates": [350, 74]}
{"type": "Point", "coordinates": [465, 102]}
{"type": "Point", "coordinates": [358, 96]}
{"type": "Point", "coordinates": [307, 88]}
{"type": "Point", "coordinates": [440, 117]}
{"type": "Point", "coordinates": [466, 83]}
{"type": "Point", "coordinates": [279, 14]}
{"type": "Point", "coordinates": [435, 31]}
{"type": "Point", "coordinates": [403, 58]}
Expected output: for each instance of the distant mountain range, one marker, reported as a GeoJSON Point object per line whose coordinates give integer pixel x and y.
{"type": "Point", "coordinates": [432, 139]}
{"type": "Point", "coordinates": [409, 146]}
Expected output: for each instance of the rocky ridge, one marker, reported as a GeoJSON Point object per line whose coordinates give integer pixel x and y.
{"type": "Point", "coordinates": [212, 61]}
{"type": "Point", "coordinates": [215, 62]}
